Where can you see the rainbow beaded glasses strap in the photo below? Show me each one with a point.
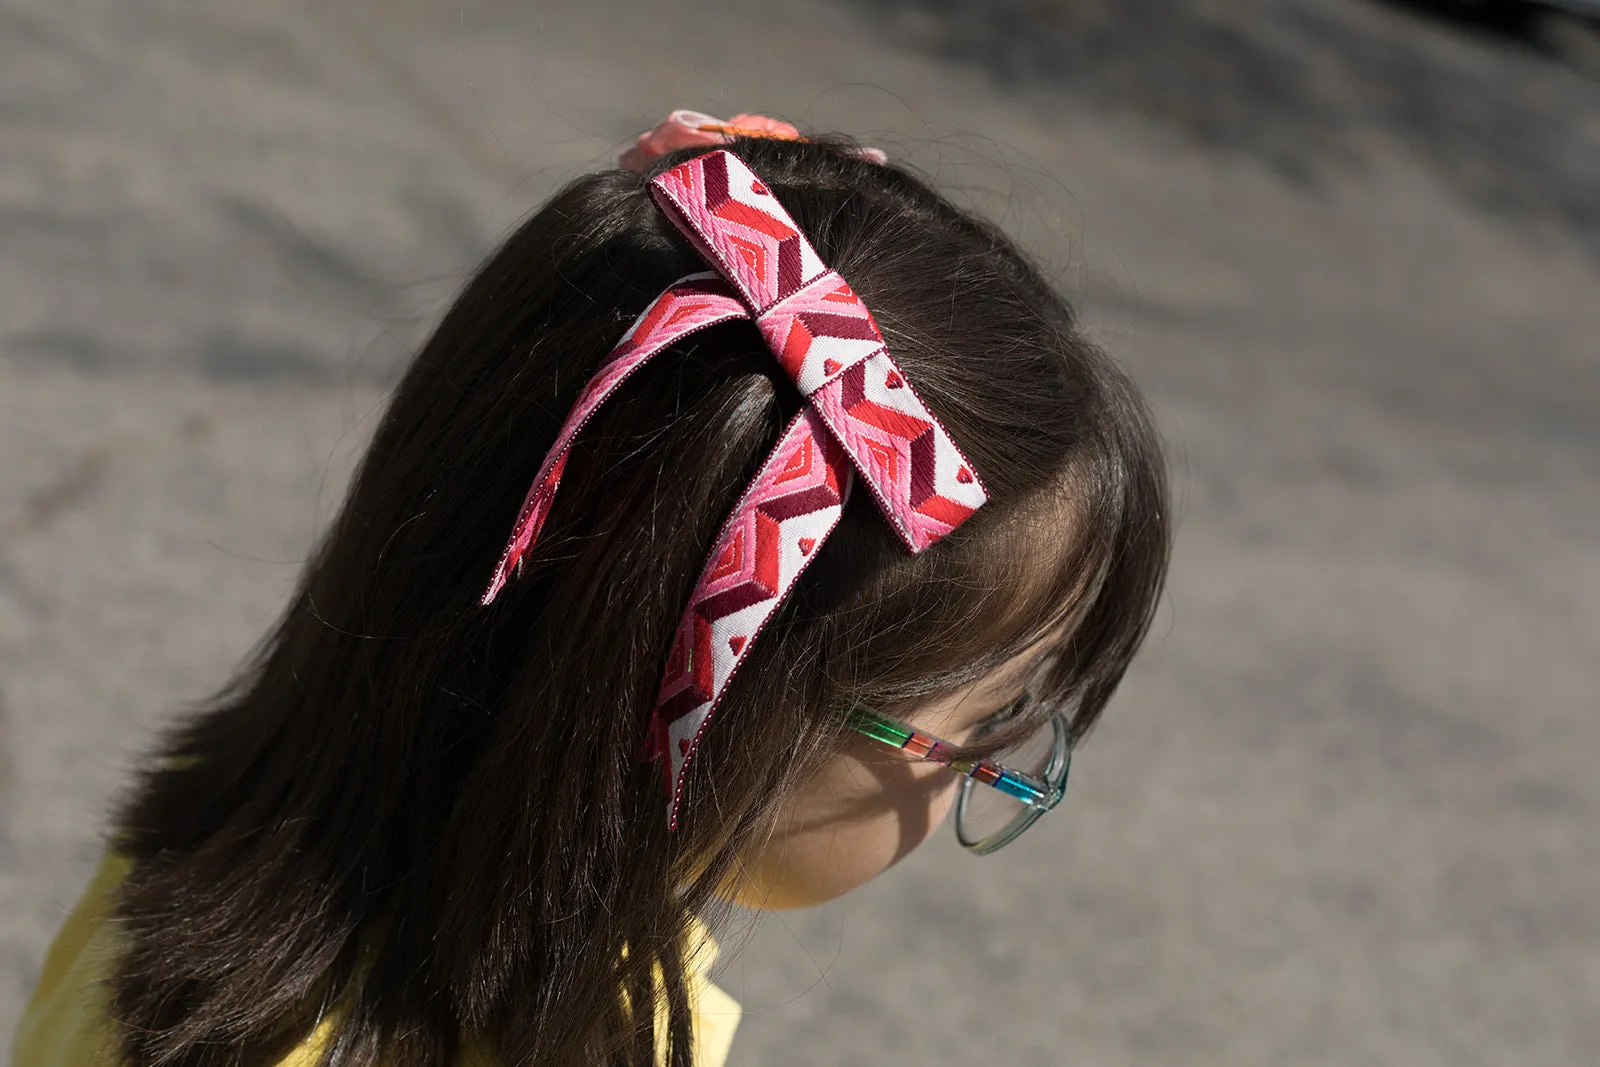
(1031, 790)
(861, 418)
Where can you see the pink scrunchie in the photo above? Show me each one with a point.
(686, 129)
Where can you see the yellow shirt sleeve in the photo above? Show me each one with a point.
(66, 1023)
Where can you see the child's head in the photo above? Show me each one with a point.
(460, 787)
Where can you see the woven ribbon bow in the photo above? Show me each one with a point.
(861, 417)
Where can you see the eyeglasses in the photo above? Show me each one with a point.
(1030, 782)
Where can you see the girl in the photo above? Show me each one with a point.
(850, 483)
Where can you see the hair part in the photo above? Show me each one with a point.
(430, 818)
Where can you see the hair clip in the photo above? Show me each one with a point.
(687, 129)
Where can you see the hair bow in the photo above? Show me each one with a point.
(861, 417)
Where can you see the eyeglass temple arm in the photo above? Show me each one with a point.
(1024, 787)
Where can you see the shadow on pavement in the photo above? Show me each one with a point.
(1303, 86)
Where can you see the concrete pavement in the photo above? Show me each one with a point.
(1344, 811)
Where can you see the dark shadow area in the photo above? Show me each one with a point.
(1302, 85)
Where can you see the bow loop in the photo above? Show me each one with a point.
(738, 225)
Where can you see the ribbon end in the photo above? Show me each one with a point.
(497, 583)
(655, 740)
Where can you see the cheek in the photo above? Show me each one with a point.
(862, 814)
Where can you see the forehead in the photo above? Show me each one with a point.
(1037, 578)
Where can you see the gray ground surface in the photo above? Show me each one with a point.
(1344, 811)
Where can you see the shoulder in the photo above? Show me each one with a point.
(66, 1022)
(716, 1014)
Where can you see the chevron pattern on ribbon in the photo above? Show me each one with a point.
(861, 418)
(738, 225)
(923, 484)
(824, 336)
(790, 507)
(819, 331)
(689, 304)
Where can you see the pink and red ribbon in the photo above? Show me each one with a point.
(862, 418)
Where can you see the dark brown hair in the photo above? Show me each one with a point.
(433, 815)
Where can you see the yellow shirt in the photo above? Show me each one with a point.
(66, 1023)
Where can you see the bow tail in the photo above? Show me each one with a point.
(775, 531)
(689, 304)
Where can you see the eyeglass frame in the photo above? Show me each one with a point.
(1037, 794)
